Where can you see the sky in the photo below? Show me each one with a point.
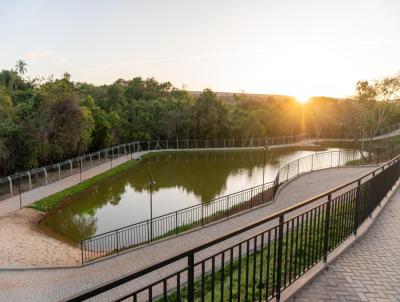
(291, 47)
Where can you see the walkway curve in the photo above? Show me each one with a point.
(369, 270)
(54, 284)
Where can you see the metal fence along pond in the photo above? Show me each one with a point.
(174, 223)
(28, 180)
(259, 266)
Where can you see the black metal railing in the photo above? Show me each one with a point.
(174, 223)
(259, 266)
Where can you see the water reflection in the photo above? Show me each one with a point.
(183, 179)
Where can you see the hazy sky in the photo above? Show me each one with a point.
(293, 47)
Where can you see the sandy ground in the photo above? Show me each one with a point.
(28, 247)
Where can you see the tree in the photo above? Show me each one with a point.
(375, 102)
(20, 67)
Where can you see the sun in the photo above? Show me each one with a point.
(303, 98)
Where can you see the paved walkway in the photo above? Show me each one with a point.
(369, 270)
(54, 284)
(378, 137)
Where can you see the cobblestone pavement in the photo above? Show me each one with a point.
(369, 270)
(54, 284)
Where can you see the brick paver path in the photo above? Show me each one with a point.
(54, 284)
(369, 270)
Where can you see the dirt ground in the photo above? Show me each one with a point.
(24, 246)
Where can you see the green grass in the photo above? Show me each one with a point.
(49, 203)
(298, 252)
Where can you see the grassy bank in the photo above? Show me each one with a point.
(49, 203)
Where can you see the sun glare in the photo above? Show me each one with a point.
(302, 98)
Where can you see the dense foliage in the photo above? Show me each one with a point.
(45, 121)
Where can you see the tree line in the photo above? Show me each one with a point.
(43, 121)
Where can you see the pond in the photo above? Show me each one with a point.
(183, 179)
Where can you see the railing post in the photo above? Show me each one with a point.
(298, 167)
(276, 185)
(312, 162)
(59, 171)
(45, 176)
(11, 186)
(202, 214)
(82, 252)
(327, 224)
(227, 206)
(70, 166)
(148, 232)
(279, 260)
(251, 197)
(176, 222)
(191, 277)
(116, 234)
(357, 207)
(287, 173)
(30, 181)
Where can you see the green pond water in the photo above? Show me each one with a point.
(182, 179)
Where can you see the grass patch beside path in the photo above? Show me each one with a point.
(49, 203)
(254, 275)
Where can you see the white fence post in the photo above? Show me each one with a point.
(59, 171)
(11, 186)
(45, 176)
(30, 180)
(70, 166)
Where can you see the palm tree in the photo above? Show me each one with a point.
(20, 67)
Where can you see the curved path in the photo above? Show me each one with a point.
(369, 270)
(55, 284)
